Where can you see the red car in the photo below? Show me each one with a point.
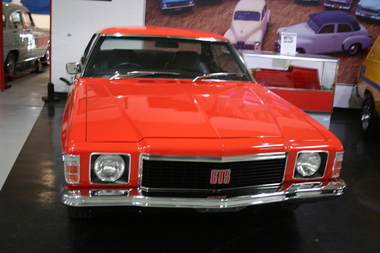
(171, 118)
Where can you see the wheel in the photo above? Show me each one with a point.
(354, 49)
(38, 66)
(369, 116)
(46, 59)
(300, 50)
(80, 212)
(10, 64)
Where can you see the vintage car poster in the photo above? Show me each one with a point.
(218, 17)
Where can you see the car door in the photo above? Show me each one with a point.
(37, 39)
(16, 37)
(325, 39)
(344, 31)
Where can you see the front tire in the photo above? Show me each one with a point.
(354, 49)
(369, 116)
(10, 64)
(46, 59)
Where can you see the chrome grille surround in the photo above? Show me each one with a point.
(170, 173)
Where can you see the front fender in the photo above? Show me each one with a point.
(307, 44)
(362, 40)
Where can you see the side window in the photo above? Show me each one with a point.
(26, 19)
(327, 29)
(4, 22)
(342, 28)
(15, 19)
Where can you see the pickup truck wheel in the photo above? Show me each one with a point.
(369, 116)
(37, 66)
(10, 64)
(80, 213)
(354, 49)
(46, 59)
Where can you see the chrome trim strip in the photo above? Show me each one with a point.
(299, 192)
(214, 159)
(185, 190)
(209, 39)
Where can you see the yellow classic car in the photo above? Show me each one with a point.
(368, 88)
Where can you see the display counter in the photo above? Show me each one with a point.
(307, 81)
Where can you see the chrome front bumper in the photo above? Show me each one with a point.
(299, 192)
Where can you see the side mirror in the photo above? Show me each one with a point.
(73, 68)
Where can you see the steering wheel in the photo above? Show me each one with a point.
(313, 86)
(264, 83)
(128, 63)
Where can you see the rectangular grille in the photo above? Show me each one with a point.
(178, 4)
(372, 11)
(177, 174)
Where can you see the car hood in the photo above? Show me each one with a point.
(302, 30)
(130, 110)
(242, 29)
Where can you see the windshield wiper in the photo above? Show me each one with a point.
(142, 73)
(217, 74)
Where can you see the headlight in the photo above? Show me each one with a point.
(308, 164)
(109, 168)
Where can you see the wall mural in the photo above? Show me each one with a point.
(256, 22)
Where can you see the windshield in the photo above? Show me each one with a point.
(313, 25)
(247, 15)
(163, 58)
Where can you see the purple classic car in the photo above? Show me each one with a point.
(328, 32)
(338, 4)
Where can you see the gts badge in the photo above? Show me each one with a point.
(220, 177)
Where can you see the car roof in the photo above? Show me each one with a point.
(328, 17)
(161, 31)
(9, 7)
(247, 5)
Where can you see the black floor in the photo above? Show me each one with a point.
(32, 219)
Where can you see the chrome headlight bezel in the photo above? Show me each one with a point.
(123, 172)
(310, 164)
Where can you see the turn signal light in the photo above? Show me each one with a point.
(337, 164)
(72, 168)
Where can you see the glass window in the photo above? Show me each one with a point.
(247, 15)
(26, 19)
(15, 19)
(342, 28)
(163, 58)
(4, 22)
(327, 29)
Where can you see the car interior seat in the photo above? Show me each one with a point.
(188, 61)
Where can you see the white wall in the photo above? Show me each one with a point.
(75, 21)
